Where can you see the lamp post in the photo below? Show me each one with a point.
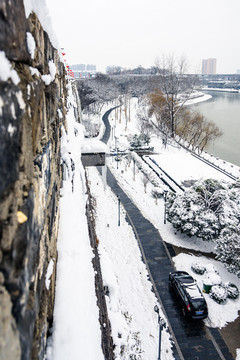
(118, 210)
(134, 169)
(116, 149)
(162, 324)
(165, 199)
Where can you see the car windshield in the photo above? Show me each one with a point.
(185, 279)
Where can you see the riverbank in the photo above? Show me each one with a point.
(197, 97)
(221, 90)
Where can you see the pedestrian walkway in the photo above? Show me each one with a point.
(195, 341)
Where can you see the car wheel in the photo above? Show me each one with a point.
(183, 312)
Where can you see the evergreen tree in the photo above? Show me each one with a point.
(206, 209)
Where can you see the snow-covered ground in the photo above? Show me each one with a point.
(130, 302)
(182, 166)
(76, 329)
(197, 97)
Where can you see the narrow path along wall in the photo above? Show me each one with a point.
(32, 110)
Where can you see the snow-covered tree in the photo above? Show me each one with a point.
(139, 141)
(95, 92)
(195, 129)
(174, 82)
(191, 126)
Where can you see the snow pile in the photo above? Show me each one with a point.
(130, 300)
(11, 129)
(49, 273)
(76, 329)
(34, 71)
(213, 279)
(31, 44)
(6, 70)
(238, 354)
(41, 9)
(47, 79)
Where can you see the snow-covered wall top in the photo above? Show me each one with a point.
(93, 146)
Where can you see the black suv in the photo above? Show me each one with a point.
(189, 295)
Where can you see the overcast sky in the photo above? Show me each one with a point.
(129, 33)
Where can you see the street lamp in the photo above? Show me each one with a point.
(162, 324)
(116, 149)
(134, 169)
(165, 200)
(118, 210)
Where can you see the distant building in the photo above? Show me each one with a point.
(91, 68)
(209, 66)
(79, 67)
(84, 71)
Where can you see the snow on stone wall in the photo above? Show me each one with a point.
(32, 111)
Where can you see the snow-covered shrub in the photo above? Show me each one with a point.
(232, 290)
(139, 141)
(144, 168)
(228, 249)
(198, 268)
(219, 294)
(208, 187)
(205, 209)
(187, 214)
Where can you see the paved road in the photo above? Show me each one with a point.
(107, 132)
(193, 340)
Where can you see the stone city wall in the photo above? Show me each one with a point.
(32, 110)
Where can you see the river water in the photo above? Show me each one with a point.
(224, 110)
